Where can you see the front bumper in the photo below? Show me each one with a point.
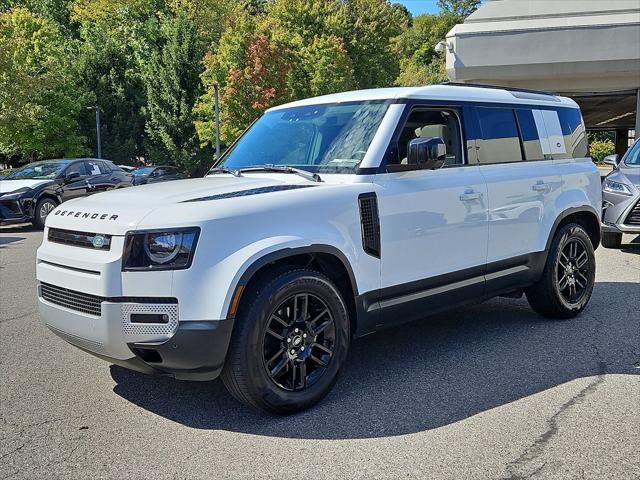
(188, 350)
(14, 211)
(621, 214)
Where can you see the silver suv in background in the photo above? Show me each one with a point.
(621, 197)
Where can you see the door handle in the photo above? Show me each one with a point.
(541, 187)
(469, 196)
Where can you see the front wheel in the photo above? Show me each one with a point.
(43, 209)
(289, 342)
(567, 281)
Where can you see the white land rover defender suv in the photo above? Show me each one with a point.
(329, 219)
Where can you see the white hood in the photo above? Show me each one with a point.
(7, 186)
(117, 211)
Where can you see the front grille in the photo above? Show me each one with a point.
(634, 215)
(78, 301)
(95, 241)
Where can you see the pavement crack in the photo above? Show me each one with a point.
(17, 317)
(536, 449)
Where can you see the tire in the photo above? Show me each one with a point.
(611, 240)
(43, 208)
(264, 368)
(567, 280)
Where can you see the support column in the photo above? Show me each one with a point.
(637, 114)
(622, 140)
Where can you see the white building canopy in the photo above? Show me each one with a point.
(588, 50)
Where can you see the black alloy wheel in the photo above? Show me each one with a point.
(299, 341)
(290, 340)
(572, 270)
(568, 277)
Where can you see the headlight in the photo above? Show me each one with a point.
(14, 195)
(617, 187)
(170, 249)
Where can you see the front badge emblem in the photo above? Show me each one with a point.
(98, 241)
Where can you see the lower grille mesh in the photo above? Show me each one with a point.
(80, 302)
(634, 215)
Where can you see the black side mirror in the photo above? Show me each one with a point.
(612, 160)
(428, 153)
(70, 177)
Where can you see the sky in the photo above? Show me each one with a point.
(418, 7)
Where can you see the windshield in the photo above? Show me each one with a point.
(38, 170)
(143, 171)
(633, 156)
(318, 138)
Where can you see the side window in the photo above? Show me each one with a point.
(425, 123)
(500, 141)
(93, 168)
(530, 135)
(575, 137)
(76, 167)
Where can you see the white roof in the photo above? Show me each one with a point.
(436, 92)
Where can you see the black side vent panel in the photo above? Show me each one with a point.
(370, 222)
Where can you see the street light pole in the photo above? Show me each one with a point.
(98, 142)
(216, 99)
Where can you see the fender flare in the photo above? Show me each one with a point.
(281, 254)
(565, 214)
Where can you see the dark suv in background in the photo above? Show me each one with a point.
(29, 193)
(154, 174)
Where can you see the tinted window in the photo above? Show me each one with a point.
(530, 136)
(76, 167)
(575, 137)
(500, 140)
(425, 123)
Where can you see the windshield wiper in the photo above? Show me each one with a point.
(235, 173)
(314, 177)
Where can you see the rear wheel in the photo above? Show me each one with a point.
(43, 209)
(611, 240)
(289, 342)
(567, 281)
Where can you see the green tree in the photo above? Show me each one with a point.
(39, 97)
(172, 80)
(107, 68)
(458, 8)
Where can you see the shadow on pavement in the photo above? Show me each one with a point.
(18, 228)
(4, 241)
(426, 374)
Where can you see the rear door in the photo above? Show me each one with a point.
(523, 185)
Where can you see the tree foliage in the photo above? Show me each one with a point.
(149, 66)
(39, 97)
(172, 80)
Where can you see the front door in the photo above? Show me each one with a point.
(78, 186)
(433, 224)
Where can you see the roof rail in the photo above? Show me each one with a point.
(498, 87)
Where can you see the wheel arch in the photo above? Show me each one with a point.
(326, 259)
(586, 216)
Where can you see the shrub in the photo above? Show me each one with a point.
(599, 149)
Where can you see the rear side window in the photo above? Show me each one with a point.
(96, 168)
(575, 137)
(500, 141)
(530, 136)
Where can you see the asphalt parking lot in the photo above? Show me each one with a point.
(490, 391)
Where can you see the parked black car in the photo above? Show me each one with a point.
(160, 173)
(29, 193)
